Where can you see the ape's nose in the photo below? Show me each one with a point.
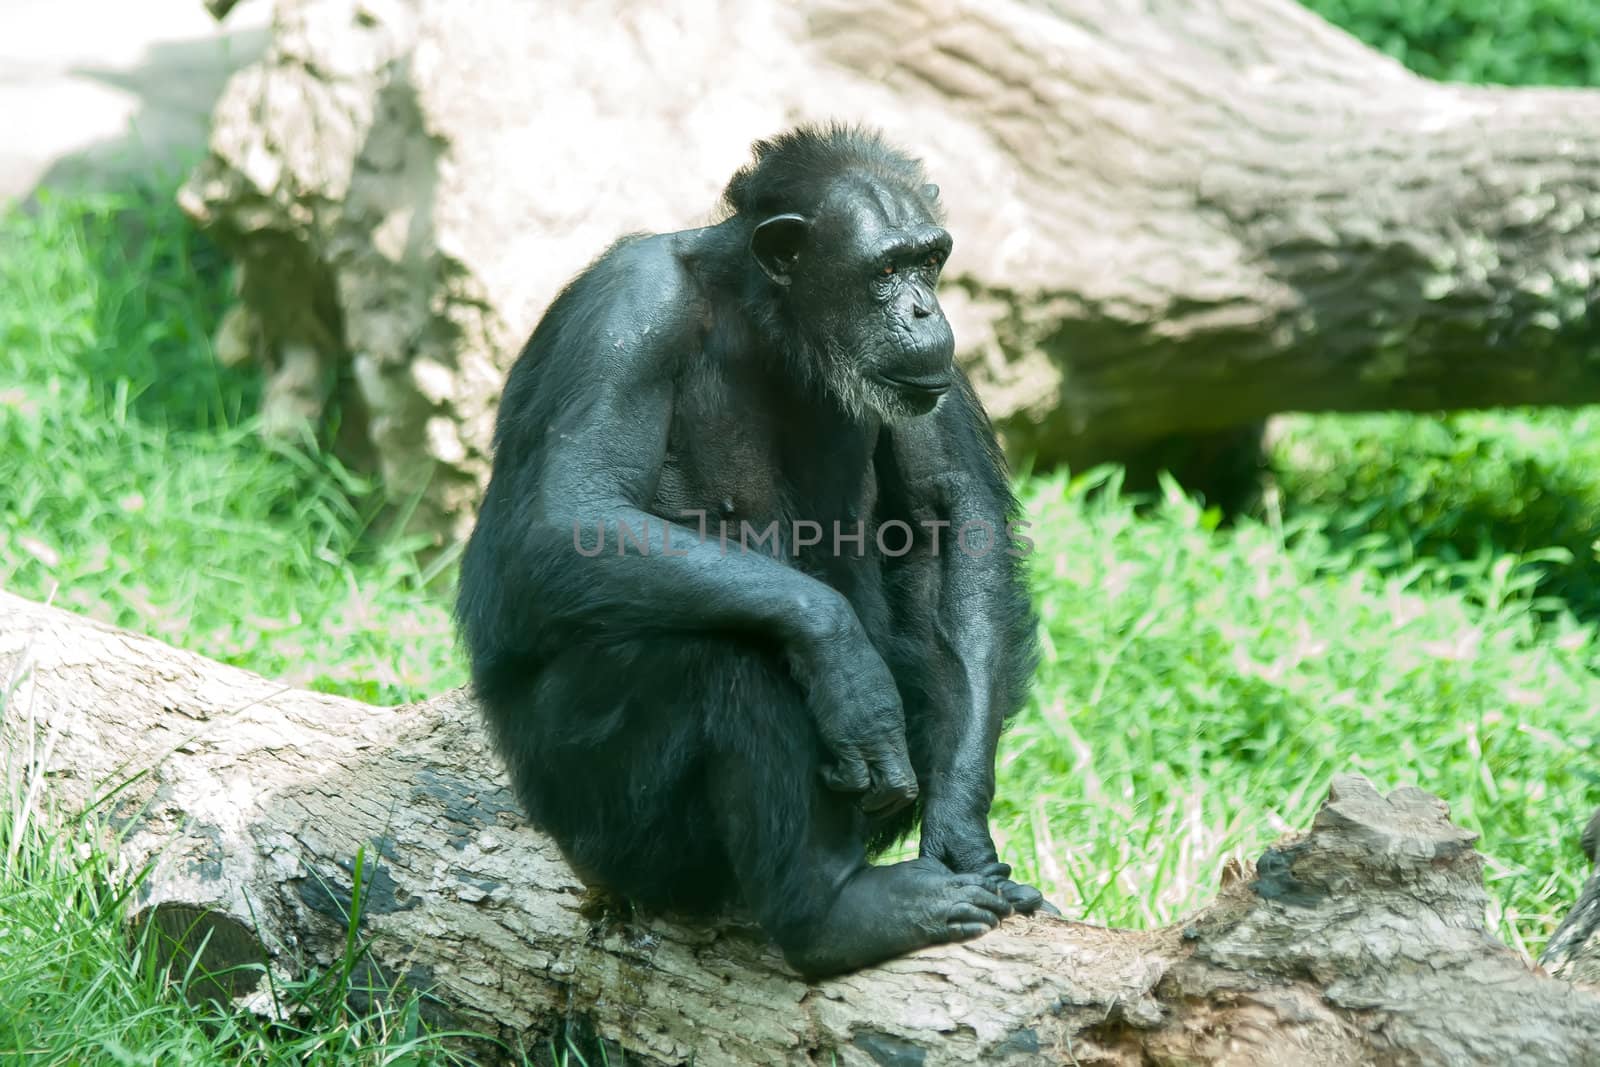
(921, 310)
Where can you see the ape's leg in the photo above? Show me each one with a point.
(684, 774)
(955, 707)
(798, 849)
(953, 751)
(607, 752)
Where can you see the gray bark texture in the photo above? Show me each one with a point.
(1170, 219)
(1360, 941)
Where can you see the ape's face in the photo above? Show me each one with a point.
(859, 281)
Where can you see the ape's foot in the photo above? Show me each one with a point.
(1024, 899)
(882, 912)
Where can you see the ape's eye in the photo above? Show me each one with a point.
(935, 258)
(888, 270)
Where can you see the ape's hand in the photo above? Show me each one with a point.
(860, 719)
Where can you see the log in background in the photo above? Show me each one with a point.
(1171, 220)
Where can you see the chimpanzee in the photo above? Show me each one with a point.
(744, 597)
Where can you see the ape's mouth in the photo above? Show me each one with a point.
(929, 384)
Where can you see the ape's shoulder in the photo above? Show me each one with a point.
(623, 314)
(647, 258)
(639, 294)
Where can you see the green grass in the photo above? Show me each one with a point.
(76, 989)
(1508, 42)
(1417, 603)
(1468, 486)
(138, 490)
(1200, 687)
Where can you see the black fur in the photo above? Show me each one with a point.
(703, 729)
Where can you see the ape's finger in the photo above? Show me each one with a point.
(982, 898)
(891, 766)
(968, 931)
(963, 914)
(892, 779)
(880, 800)
(1024, 898)
(848, 775)
(893, 787)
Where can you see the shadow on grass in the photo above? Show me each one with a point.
(119, 290)
(1459, 490)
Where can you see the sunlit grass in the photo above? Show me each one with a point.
(138, 491)
(1200, 687)
(80, 984)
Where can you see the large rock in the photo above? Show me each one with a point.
(1166, 220)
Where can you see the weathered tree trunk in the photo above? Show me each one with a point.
(1360, 942)
(1170, 219)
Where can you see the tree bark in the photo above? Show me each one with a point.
(1362, 941)
(1244, 211)
(1170, 219)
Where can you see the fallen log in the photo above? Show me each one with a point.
(1361, 941)
(1171, 220)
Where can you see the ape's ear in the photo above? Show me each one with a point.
(930, 192)
(776, 245)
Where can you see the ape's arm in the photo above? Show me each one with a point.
(983, 625)
(580, 446)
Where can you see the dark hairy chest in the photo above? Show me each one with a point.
(764, 466)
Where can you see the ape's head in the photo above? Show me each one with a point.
(847, 232)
